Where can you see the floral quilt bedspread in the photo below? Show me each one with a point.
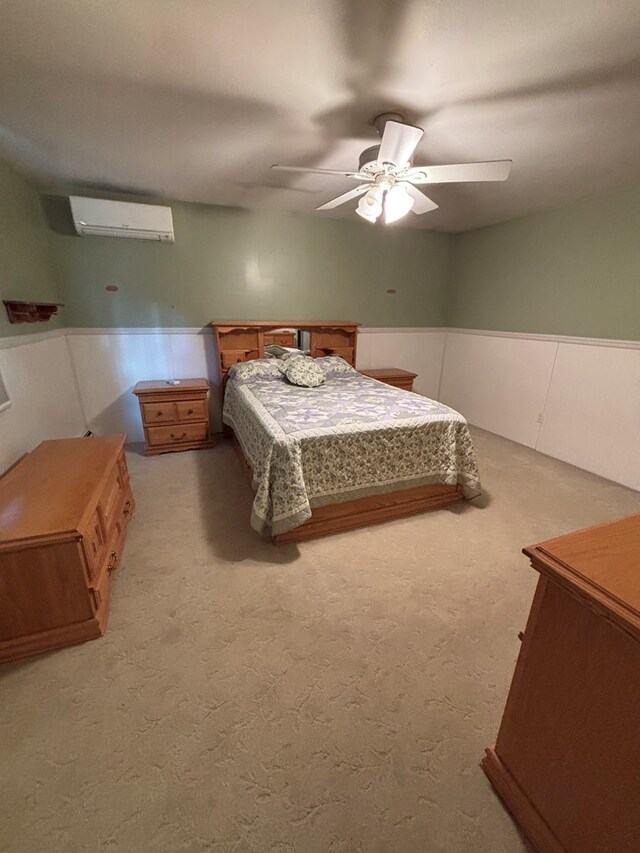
(348, 438)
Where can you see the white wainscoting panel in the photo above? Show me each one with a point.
(363, 353)
(44, 397)
(592, 416)
(419, 350)
(108, 365)
(574, 399)
(498, 383)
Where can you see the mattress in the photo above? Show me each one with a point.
(349, 438)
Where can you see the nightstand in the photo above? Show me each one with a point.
(174, 417)
(392, 376)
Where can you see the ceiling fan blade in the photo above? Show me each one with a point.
(398, 143)
(355, 175)
(493, 170)
(335, 202)
(421, 204)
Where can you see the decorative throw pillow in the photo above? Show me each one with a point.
(304, 371)
(262, 367)
(281, 352)
(334, 364)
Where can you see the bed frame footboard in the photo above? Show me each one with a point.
(335, 518)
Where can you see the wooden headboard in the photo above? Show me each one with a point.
(244, 341)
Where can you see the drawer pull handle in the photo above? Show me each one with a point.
(112, 562)
(189, 411)
(178, 437)
(159, 414)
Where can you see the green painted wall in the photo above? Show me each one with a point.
(229, 263)
(570, 271)
(573, 270)
(25, 264)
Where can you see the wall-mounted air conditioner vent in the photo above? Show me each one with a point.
(99, 217)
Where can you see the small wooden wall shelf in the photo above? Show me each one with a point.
(30, 312)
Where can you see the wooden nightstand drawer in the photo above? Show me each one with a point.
(405, 384)
(392, 376)
(158, 413)
(177, 434)
(175, 414)
(191, 410)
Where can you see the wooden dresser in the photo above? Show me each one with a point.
(567, 758)
(392, 376)
(64, 510)
(174, 417)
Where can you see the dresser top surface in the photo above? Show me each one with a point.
(49, 490)
(605, 558)
(153, 386)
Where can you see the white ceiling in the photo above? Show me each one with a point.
(195, 99)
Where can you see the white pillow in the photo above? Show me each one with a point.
(281, 352)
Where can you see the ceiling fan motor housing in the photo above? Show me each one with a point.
(368, 163)
(368, 157)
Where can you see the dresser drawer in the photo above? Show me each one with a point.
(158, 413)
(191, 410)
(124, 471)
(95, 542)
(101, 594)
(184, 433)
(111, 499)
(127, 510)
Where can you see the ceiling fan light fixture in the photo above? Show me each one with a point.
(370, 205)
(397, 204)
(364, 213)
(389, 180)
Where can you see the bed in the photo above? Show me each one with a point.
(348, 453)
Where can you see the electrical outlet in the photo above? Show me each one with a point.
(540, 418)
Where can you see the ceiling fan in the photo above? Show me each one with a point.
(390, 180)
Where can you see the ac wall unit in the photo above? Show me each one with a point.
(102, 218)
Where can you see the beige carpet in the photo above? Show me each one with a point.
(332, 696)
